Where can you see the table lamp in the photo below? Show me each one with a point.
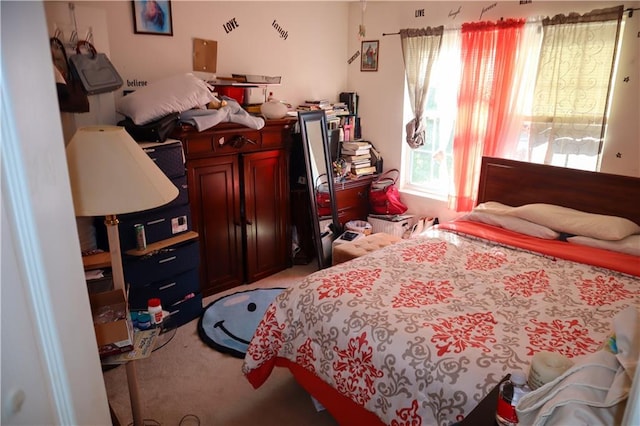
(110, 174)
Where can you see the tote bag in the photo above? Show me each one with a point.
(95, 70)
(384, 197)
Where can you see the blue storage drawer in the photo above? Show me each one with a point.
(183, 192)
(186, 310)
(159, 224)
(168, 157)
(170, 290)
(140, 271)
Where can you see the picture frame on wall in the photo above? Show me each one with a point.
(152, 17)
(369, 54)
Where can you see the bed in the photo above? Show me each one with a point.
(420, 331)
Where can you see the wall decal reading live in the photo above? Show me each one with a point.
(230, 25)
(419, 13)
(525, 1)
(136, 83)
(283, 34)
(353, 58)
(453, 14)
(486, 9)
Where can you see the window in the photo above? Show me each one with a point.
(562, 111)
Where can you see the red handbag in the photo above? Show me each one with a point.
(384, 197)
(323, 198)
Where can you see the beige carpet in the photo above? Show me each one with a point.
(187, 377)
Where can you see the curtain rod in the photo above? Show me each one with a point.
(627, 10)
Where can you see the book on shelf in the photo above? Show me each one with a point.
(355, 152)
(356, 158)
(363, 170)
(361, 164)
(355, 145)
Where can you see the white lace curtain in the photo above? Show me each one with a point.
(573, 83)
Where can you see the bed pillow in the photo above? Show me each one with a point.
(628, 245)
(512, 223)
(493, 207)
(575, 222)
(162, 97)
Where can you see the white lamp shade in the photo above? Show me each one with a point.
(111, 174)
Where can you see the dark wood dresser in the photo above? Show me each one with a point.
(352, 197)
(239, 193)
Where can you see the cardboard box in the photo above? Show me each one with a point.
(111, 322)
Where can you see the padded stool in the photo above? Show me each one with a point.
(362, 246)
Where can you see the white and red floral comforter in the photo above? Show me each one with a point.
(420, 331)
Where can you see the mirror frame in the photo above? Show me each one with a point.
(304, 118)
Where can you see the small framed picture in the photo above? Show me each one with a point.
(152, 17)
(369, 54)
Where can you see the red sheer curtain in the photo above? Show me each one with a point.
(489, 52)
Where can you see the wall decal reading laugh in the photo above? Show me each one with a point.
(453, 14)
(283, 34)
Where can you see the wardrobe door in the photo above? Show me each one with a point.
(214, 191)
(266, 212)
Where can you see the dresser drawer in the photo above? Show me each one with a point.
(352, 202)
(159, 224)
(185, 310)
(170, 290)
(140, 271)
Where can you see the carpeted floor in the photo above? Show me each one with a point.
(188, 378)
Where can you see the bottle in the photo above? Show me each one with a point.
(510, 392)
(155, 311)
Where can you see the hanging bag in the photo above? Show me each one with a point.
(71, 95)
(95, 70)
(323, 198)
(384, 197)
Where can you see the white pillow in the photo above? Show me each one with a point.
(173, 94)
(628, 245)
(512, 223)
(575, 222)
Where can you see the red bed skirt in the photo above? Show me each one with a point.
(342, 409)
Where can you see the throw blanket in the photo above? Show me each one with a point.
(595, 390)
(203, 119)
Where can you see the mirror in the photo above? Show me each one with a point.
(317, 155)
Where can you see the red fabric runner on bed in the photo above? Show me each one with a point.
(620, 262)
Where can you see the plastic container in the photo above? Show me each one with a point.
(154, 307)
(510, 393)
(144, 321)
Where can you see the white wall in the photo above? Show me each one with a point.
(311, 60)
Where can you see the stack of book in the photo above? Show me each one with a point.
(358, 155)
(313, 105)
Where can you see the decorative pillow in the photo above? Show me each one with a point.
(576, 222)
(628, 245)
(174, 94)
(512, 223)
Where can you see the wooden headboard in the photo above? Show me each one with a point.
(516, 183)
